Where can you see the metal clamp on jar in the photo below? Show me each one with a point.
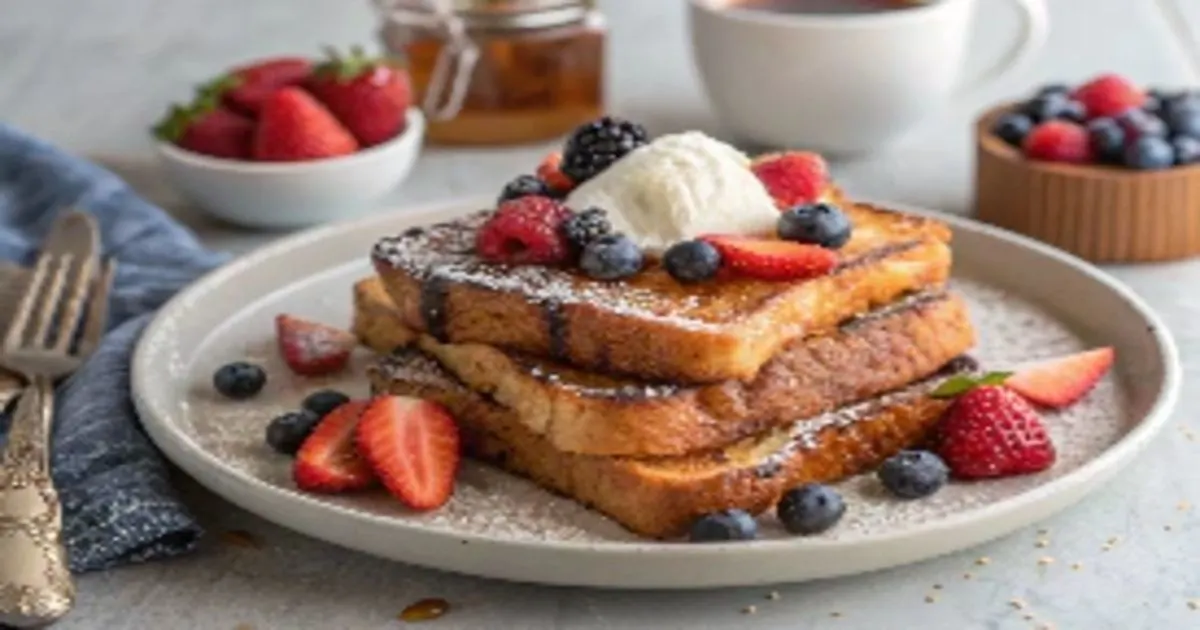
(500, 71)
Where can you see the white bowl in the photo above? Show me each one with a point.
(282, 195)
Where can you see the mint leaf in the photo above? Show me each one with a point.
(953, 386)
(994, 378)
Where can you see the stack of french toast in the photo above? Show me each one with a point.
(654, 401)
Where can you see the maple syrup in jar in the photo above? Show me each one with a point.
(490, 72)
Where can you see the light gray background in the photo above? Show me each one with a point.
(92, 75)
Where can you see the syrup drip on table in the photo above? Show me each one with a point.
(425, 610)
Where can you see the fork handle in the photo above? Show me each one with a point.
(35, 581)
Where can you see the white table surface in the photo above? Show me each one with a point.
(91, 75)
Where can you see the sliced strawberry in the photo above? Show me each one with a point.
(1060, 382)
(792, 178)
(991, 431)
(768, 259)
(312, 348)
(549, 171)
(413, 447)
(327, 461)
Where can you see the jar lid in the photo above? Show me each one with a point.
(503, 14)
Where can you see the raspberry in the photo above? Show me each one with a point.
(1058, 141)
(1109, 95)
(525, 231)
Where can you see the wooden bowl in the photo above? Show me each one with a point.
(1103, 214)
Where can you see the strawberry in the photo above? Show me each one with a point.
(369, 96)
(327, 461)
(311, 348)
(792, 178)
(203, 127)
(990, 431)
(293, 126)
(413, 447)
(1060, 382)
(767, 259)
(549, 172)
(1109, 95)
(247, 88)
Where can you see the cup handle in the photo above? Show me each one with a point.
(1035, 28)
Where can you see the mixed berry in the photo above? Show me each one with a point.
(532, 226)
(991, 428)
(1108, 120)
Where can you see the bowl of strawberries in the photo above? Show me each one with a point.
(291, 142)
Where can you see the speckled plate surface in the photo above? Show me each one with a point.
(1026, 300)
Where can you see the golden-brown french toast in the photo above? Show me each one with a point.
(661, 496)
(582, 412)
(651, 326)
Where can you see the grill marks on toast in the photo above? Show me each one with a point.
(661, 496)
(649, 326)
(589, 412)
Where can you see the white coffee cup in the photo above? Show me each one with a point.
(844, 84)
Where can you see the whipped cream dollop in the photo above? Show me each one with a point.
(678, 187)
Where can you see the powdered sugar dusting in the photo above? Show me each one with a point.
(490, 503)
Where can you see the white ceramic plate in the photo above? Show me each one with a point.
(1027, 301)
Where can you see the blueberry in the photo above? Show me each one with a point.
(323, 401)
(1051, 107)
(1184, 121)
(1141, 124)
(523, 186)
(1107, 139)
(692, 261)
(239, 380)
(1149, 153)
(913, 474)
(723, 526)
(810, 509)
(1012, 128)
(1187, 150)
(286, 433)
(611, 257)
(1054, 89)
(819, 224)
(1172, 103)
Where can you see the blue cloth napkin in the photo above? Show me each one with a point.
(118, 505)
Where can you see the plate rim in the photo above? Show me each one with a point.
(1116, 455)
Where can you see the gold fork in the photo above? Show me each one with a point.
(58, 322)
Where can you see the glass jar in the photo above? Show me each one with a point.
(500, 71)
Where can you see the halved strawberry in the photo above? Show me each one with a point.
(327, 461)
(792, 178)
(413, 447)
(1062, 381)
(770, 259)
(549, 172)
(312, 348)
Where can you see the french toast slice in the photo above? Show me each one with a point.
(650, 326)
(660, 497)
(581, 412)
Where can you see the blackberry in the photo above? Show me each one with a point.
(523, 186)
(584, 227)
(596, 145)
